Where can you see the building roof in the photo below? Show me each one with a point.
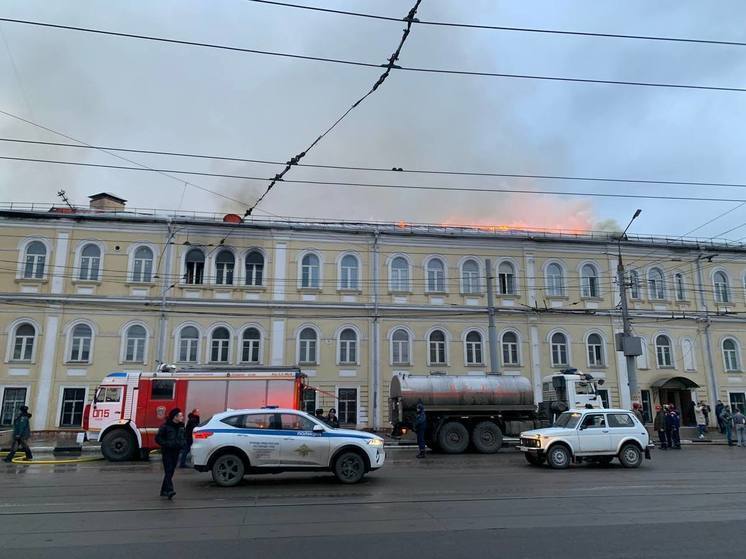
(107, 195)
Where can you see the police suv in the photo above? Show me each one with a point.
(270, 440)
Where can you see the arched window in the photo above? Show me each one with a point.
(663, 351)
(656, 284)
(142, 267)
(470, 277)
(474, 348)
(722, 290)
(595, 347)
(348, 346)
(399, 274)
(437, 342)
(195, 267)
(250, 345)
(308, 346)
(510, 348)
(730, 355)
(90, 262)
(34, 260)
(80, 348)
(310, 270)
(225, 263)
(349, 272)
(255, 268)
(555, 280)
(134, 340)
(436, 275)
(400, 347)
(220, 345)
(188, 344)
(678, 280)
(634, 284)
(23, 342)
(506, 278)
(559, 350)
(589, 281)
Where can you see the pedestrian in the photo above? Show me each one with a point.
(170, 437)
(727, 418)
(320, 414)
(739, 422)
(420, 425)
(706, 410)
(699, 416)
(659, 424)
(673, 423)
(192, 422)
(332, 418)
(638, 413)
(718, 410)
(21, 434)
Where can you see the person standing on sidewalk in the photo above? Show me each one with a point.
(659, 424)
(706, 410)
(718, 410)
(21, 435)
(171, 439)
(638, 412)
(739, 422)
(699, 416)
(727, 418)
(420, 425)
(192, 422)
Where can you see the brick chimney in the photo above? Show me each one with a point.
(103, 201)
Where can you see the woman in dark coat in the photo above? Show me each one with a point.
(192, 422)
(171, 439)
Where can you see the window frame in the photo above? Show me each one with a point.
(590, 285)
(36, 261)
(61, 406)
(225, 270)
(660, 353)
(400, 343)
(224, 346)
(513, 347)
(721, 290)
(596, 352)
(344, 346)
(138, 276)
(399, 286)
(89, 260)
(473, 350)
(736, 355)
(507, 282)
(17, 403)
(345, 283)
(259, 343)
(475, 282)
(438, 282)
(70, 342)
(319, 266)
(196, 343)
(341, 409)
(196, 276)
(262, 268)
(656, 291)
(125, 343)
(13, 338)
(301, 352)
(441, 350)
(550, 284)
(566, 345)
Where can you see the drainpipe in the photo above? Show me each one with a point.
(376, 376)
(165, 287)
(714, 390)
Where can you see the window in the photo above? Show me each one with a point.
(679, 284)
(308, 346)
(634, 284)
(593, 421)
(510, 348)
(250, 343)
(90, 262)
(559, 350)
(162, 389)
(35, 258)
(663, 351)
(349, 272)
(310, 271)
(436, 275)
(142, 268)
(656, 284)
(589, 281)
(737, 401)
(308, 401)
(260, 421)
(620, 421)
(347, 406)
(195, 267)
(437, 342)
(555, 280)
(80, 349)
(506, 279)
(595, 351)
(73, 401)
(225, 263)
(474, 348)
(108, 394)
(399, 274)
(722, 292)
(470, 277)
(400, 347)
(188, 344)
(348, 346)
(255, 268)
(23, 342)
(730, 355)
(134, 340)
(13, 399)
(219, 345)
(604, 397)
(295, 422)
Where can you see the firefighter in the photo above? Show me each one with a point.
(21, 435)
(171, 439)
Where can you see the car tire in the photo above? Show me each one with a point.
(453, 438)
(630, 456)
(487, 437)
(559, 457)
(534, 459)
(118, 445)
(228, 470)
(349, 467)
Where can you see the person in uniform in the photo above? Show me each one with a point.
(171, 439)
(21, 434)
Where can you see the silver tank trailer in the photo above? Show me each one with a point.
(440, 391)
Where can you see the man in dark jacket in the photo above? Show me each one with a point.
(192, 422)
(420, 424)
(673, 423)
(718, 410)
(331, 419)
(171, 439)
(21, 435)
(659, 424)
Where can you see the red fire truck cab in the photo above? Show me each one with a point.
(129, 407)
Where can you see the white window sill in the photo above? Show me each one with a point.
(32, 281)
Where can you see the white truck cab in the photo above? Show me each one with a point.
(569, 389)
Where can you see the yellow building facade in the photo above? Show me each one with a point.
(89, 291)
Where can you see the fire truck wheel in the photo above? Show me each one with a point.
(228, 470)
(487, 437)
(349, 467)
(118, 445)
(453, 437)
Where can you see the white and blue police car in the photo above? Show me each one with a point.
(273, 440)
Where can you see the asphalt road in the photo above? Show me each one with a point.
(688, 503)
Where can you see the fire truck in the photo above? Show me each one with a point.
(129, 407)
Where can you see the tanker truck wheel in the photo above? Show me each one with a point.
(487, 437)
(453, 438)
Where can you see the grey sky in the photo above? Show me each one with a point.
(136, 94)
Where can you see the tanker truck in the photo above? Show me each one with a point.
(466, 411)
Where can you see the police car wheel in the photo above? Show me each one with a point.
(228, 470)
(349, 467)
(630, 456)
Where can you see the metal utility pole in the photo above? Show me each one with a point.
(492, 330)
